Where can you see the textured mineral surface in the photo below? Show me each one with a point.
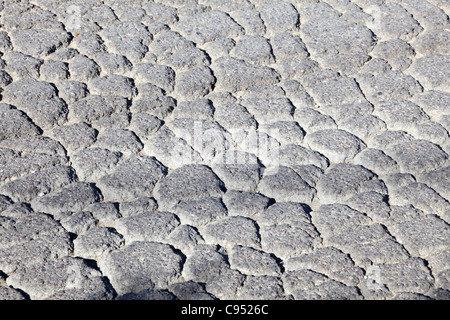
(238, 149)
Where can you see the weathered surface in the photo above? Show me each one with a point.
(224, 149)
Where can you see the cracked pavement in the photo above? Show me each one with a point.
(224, 149)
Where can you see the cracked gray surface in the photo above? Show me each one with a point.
(239, 149)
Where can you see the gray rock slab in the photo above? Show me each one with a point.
(9, 293)
(32, 239)
(201, 212)
(431, 71)
(279, 17)
(113, 85)
(208, 26)
(286, 132)
(71, 91)
(19, 124)
(234, 116)
(190, 182)
(5, 202)
(230, 231)
(21, 66)
(52, 70)
(205, 263)
(376, 161)
(334, 218)
(75, 136)
(194, 83)
(119, 140)
(417, 156)
(346, 63)
(38, 42)
(262, 288)
(29, 144)
(19, 166)
(89, 43)
(284, 212)
(93, 163)
(331, 35)
(226, 285)
(337, 145)
(239, 170)
(185, 238)
(433, 102)
(432, 42)
(158, 75)
(400, 114)
(246, 204)
(243, 75)
(250, 19)
(422, 197)
(173, 151)
(313, 120)
(286, 185)
(66, 274)
(187, 58)
(339, 90)
(253, 262)
(431, 15)
(37, 184)
(408, 275)
(187, 290)
(430, 240)
(286, 45)
(389, 85)
(128, 38)
(253, 49)
(95, 107)
(386, 22)
(268, 110)
(168, 42)
(136, 206)
(296, 68)
(134, 177)
(113, 63)
(83, 69)
(285, 240)
(141, 265)
(148, 294)
(328, 261)
(148, 226)
(158, 106)
(74, 197)
(26, 90)
(300, 280)
(219, 48)
(199, 109)
(329, 290)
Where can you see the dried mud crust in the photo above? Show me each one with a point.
(238, 149)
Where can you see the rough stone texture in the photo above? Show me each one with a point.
(244, 75)
(284, 184)
(224, 149)
(74, 197)
(337, 145)
(147, 226)
(138, 265)
(135, 177)
(342, 181)
(208, 26)
(229, 231)
(190, 182)
(205, 263)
